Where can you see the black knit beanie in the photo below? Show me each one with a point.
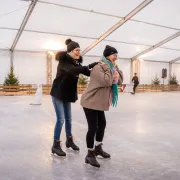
(109, 51)
(71, 45)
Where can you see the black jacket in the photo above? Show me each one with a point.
(65, 84)
(135, 79)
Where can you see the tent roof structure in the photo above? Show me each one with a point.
(146, 29)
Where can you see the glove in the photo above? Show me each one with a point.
(90, 66)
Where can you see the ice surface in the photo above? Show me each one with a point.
(142, 136)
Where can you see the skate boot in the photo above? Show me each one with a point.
(70, 143)
(91, 159)
(99, 151)
(56, 149)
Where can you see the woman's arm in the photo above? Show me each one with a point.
(87, 73)
(76, 70)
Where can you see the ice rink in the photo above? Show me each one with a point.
(142, 135)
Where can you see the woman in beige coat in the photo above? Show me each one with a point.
(101, 92)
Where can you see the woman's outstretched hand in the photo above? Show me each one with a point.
(92, 65)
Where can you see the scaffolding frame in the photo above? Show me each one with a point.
(116, 26)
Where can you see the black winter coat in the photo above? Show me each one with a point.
(135, 79)
(65, 84)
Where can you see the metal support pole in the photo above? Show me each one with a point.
(135, 68)
(86, 37)
(175, 60)
(139, 70)
(157, 45)
(49, 69)
(131, 72)
(4, 49)
(11, 59)
(117, 25)
(104, 14)
(25, 20)
(170, 70)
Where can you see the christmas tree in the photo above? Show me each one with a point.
(156, 80)
(11, 79)
(173, 80)
(83, 80)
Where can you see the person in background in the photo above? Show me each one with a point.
(102, 91)
(135, 80)
(64, 92)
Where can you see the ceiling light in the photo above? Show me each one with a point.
(51, 45)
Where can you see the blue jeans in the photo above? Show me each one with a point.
(63, 112)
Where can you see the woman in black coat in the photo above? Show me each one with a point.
(64, 91)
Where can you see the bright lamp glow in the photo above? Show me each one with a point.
(141, 59)
(51, 45)
(51, 53)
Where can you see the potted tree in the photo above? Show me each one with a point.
(156, 82)
(11, 80)
(173, 82)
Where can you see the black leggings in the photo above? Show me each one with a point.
(96, 125)
(134, 88)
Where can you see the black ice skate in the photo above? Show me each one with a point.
(56, 149)
(91, 159)
(70, 143)
(99, 151)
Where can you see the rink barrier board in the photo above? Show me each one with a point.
(30, 89)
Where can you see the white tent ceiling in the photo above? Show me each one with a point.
(53, 21)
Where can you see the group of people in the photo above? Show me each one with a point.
(101, 93)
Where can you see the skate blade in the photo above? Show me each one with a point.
(89, 165)
(70, 149)
(55, 155)
(100, 157)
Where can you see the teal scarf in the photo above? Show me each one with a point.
(114, 87)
